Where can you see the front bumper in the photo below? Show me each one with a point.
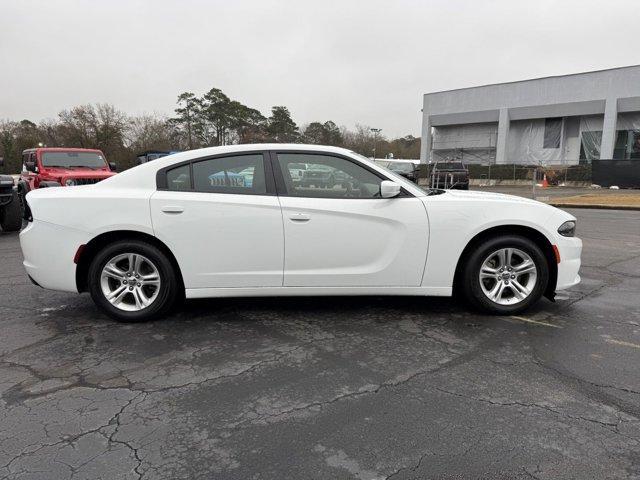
(48, 252)
(570, 249)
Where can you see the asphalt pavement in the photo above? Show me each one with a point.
(329, 388)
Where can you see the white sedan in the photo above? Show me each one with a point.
(140, 240)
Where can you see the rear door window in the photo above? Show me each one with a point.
(179, 178)
(239, 174)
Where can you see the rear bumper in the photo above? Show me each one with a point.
(48, 252)
(568, 269)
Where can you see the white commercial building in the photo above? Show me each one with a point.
(562, 120)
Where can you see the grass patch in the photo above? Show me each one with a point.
(613, 199)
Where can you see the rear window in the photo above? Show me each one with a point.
(451, 166)
(73, 159)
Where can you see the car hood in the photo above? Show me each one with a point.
(78, 173)
(476, 195)
(492, 197)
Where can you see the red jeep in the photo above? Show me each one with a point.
(55, 167)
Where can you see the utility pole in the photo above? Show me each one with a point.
(375, 131)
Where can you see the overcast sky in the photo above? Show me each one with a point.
(349, 61)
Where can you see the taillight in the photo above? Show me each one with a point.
(26, 210)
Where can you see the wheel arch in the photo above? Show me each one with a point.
(97, 243)
(539, 238)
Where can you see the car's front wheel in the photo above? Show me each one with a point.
(505, 275)
(132, 281)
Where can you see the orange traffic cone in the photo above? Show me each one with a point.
(545, 184)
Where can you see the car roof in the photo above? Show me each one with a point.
(61, 149)
(246, 147)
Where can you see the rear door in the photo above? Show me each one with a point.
(339, 232)
(221, 218)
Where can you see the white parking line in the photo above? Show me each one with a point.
(528, 320)
(622, 343)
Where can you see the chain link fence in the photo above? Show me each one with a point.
(604, 173)
(575, 175)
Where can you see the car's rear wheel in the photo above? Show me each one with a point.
(505, 275)
(132, 281)
(11, 215)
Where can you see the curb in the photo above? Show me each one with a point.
(595, 206)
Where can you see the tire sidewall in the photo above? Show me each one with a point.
(473, 289)
(11, 214)
(168, 282)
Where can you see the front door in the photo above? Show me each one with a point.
(221, 219)
(339, 232)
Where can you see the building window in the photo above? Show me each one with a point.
(552, 132)
(590, 146)
(627, 145)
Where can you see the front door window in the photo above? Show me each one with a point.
(324, 176)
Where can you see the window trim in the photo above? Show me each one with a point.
(281, 186)
(161, 174)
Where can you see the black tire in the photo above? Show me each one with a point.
(11, 215)
(470, 280)
(169, 284)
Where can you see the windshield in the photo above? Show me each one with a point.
(73, 159)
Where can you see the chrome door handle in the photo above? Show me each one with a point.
(172, 209)
(299, 217)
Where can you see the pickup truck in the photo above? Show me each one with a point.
(453, 175)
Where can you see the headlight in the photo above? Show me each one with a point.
(567, 229)
(69, 182)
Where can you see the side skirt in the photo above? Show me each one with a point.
(316, 291)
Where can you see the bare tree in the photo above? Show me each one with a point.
(151, 132)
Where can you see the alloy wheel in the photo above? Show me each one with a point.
(130, 282)
(508, 276)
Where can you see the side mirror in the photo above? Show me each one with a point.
(389, 189)
(30, 166)
(113, 167)
(1, 161)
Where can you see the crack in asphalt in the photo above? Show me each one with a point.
(539, 406)
(371, 389)
(73, 439)
(79, 379)
(111, 438)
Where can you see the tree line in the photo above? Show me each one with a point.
(200, 121)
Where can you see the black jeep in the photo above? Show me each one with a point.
(10, 211)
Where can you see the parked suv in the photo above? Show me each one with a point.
(66, 167)
(449, 175)
(10, 211)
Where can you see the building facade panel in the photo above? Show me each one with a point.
(557, 120)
